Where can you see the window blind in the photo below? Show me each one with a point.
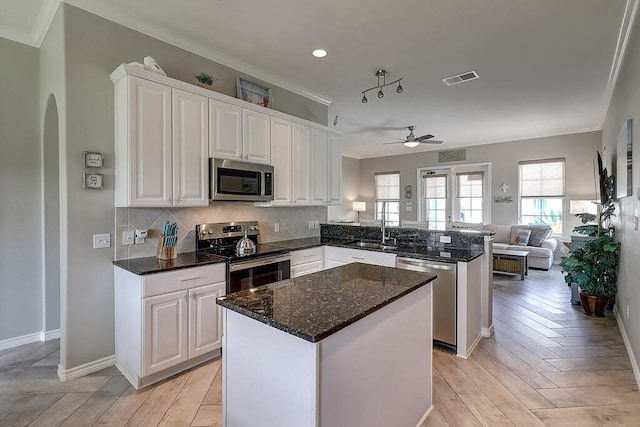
(387, 185)
(434, 186)
(542, 178)
(469, 184)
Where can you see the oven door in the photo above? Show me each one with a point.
(257, 272)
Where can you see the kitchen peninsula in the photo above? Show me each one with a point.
(351, 345)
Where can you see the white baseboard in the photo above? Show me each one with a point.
(426, 414)
(627, 345)
(471, 348)
(18, 341)
(49, 335)
(88, 368)
(487, 332)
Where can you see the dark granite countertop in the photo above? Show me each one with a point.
(150, 265)
(413, 251)
(317, 305)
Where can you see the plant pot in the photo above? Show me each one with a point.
(204, 85)
(594, 305)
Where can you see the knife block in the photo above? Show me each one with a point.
(166, 252)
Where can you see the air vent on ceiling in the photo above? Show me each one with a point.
(459, 78)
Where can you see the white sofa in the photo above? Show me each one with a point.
(540, 257)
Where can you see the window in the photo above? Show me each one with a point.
(470, 192)
(542, 192)
(388, 193)
(434, 190)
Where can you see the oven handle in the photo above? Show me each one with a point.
(244, 265)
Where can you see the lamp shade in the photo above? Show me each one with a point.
(359, 206)
(583, 206)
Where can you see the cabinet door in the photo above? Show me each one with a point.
(164, 328)
(190, 149)
(205, 319)
(339, 256)
(281, 160)
(149, 148)
(256, 137)
(301, 164)
(334, 189)
(225, 131)
(318, 167)
(308, 268)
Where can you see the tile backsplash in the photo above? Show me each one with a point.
(294, 223)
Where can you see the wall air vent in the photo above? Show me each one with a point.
(459, 78)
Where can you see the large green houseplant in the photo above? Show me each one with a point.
(593, 265)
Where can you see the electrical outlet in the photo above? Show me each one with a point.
(127, 238)
(101, 240)
(140, 236)
(627, 312)
(635, 223)
(310, 225)
(316, 224)
(276, 227)
(445, 239)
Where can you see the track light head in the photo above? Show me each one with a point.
(399, 89)
(380, 94)
(364, 99)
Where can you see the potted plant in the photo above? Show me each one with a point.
(593, 265)
(205, 80)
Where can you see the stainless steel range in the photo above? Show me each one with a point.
(248, 265)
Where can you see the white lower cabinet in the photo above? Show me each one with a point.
(334, 257)
(167, 322)
(306, 261)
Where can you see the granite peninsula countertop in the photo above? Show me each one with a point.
(150, 265)
(409, 251)
(317, 305)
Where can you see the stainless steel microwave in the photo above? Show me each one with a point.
(240, 181)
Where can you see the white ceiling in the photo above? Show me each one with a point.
(546, 66)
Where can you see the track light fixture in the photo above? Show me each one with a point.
(382, 82)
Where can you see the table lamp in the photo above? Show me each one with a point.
(359, 207)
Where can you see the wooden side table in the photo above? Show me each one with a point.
(513, 262)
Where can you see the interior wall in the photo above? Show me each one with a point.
(350, 191)
(625, 104)
(94, 48)
(20, 189)
(578, 149)
(51, 215)
(52, 119)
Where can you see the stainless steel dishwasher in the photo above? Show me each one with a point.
(444, 297)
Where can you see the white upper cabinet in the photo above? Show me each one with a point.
(319, 170)
(256, 137)
(225, 130)
(334, 189)
(301, 164)
(161, 145)
(281, 160)
(190, 149)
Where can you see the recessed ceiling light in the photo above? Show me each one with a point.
(319, 53)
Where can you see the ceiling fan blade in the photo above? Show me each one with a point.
(394, 142)
(431, 141)
(423, 137)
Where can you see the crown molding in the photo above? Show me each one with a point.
(628, 19)
(45, 18)
(189, 45)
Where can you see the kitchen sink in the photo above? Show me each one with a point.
(370, 245)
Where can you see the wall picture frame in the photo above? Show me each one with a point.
(253, 92)
(624, 160)
(92, 159)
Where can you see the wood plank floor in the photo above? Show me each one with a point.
(548, 364)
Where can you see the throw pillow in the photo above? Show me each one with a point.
(522, 237)
(539, 233)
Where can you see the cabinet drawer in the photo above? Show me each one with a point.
(305, 256)
(308, 268)
(178, 280)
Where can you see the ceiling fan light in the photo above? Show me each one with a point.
(380, 94)
(411, 144)
(364, 99)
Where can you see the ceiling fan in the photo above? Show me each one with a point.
(412, 141)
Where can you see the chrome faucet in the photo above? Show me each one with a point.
(383, 227)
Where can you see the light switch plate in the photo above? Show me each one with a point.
(101, 241)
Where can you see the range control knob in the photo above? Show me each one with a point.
(203, 231)
(210, 231)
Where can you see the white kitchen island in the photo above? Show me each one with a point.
(348, 346)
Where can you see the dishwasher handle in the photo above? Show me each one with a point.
(422, 264)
